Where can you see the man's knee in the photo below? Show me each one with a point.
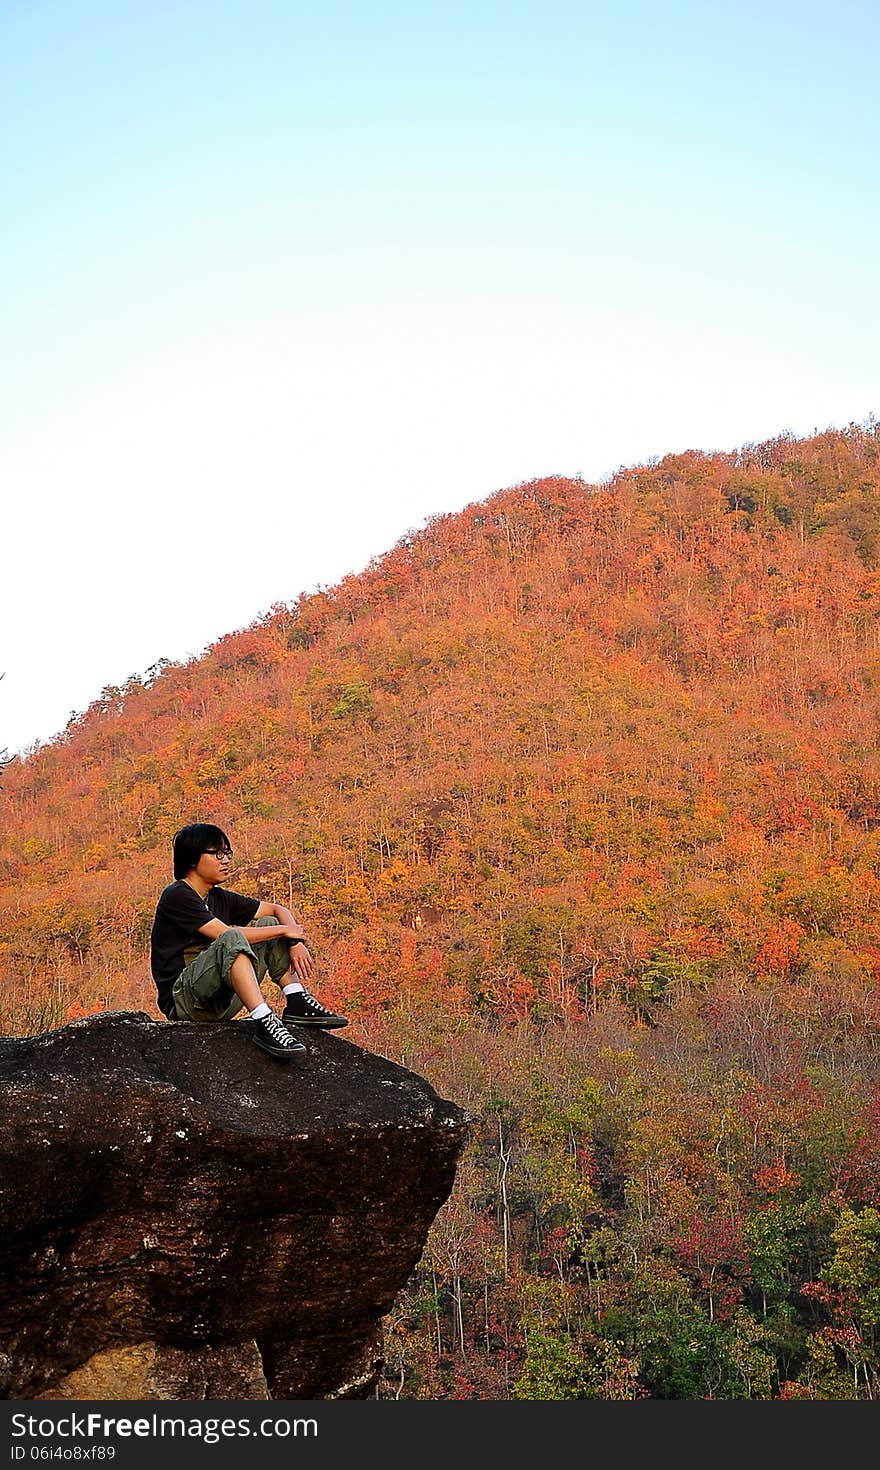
(233, 942)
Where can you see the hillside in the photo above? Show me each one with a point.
(572, 741)
(577, 794)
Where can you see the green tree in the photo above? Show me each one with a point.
(554, 1367)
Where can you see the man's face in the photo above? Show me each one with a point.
(213, 865)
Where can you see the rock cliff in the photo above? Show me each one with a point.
(182, 1216)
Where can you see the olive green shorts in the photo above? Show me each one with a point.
(204, 992)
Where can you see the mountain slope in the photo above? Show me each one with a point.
(570, 742)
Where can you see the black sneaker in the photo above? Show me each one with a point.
(303, 1010)
(269, 1034)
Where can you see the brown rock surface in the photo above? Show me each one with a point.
(146, 1371)
(173, 1194)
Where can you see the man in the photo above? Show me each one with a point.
(210, 948)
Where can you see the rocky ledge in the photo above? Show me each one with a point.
(183, 1216)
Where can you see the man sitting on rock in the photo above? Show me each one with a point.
(210, 948)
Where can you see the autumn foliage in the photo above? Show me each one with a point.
(577, 793)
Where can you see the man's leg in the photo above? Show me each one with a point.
(273, 957)
(300, 1006)
(244, 982)
(220, 982)
(205, 991)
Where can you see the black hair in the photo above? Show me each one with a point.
(190, 842)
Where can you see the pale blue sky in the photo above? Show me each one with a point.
(281, 280)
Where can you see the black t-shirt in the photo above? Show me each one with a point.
(175, 939)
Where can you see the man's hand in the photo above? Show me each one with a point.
(294, 932)
(301, 961)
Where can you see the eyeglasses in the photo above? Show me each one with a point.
(222, 856)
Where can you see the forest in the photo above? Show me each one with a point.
(577, 794)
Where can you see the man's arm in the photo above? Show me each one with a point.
(279, 912)
(256, 935)
(301, 961)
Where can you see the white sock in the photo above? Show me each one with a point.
(293, 988)
(260, 1011)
